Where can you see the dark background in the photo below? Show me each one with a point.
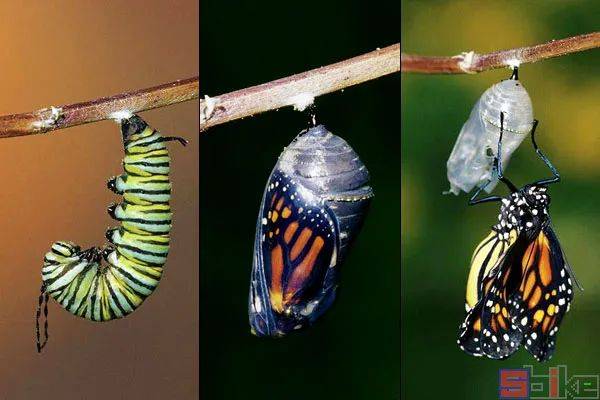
(353, 352)
(54, 188)
(439, 233)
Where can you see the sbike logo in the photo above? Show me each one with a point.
(553, 384)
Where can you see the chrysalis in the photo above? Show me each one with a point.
(470, 163)
(312, 207)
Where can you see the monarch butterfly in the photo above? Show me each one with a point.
(138, 249)
(470, 163)
(313, 206)
(519, 286)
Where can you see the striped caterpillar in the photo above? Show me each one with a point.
(77, 279)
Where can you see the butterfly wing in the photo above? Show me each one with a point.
(499, 336)
(523, 300)
(486, 256)
(544, 295)
(487, 329)
(294, 275)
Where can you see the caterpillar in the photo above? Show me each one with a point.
(312, 208)
(110, 282)
(470, 163)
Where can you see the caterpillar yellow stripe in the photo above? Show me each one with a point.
(101, 284)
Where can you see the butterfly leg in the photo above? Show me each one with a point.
(498, 159)
(556, 177)
(498, 169)
(473, 200)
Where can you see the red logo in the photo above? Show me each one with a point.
(555, 383)
(514, 384)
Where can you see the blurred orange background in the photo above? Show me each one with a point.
(63, 52)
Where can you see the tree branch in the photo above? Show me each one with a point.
(298, 89)
(53, 118)
(471, 63)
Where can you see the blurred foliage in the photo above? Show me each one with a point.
(439, 232)
(353, 352)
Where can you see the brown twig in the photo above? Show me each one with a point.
(293, 89)
(471, 63)
(53, 118)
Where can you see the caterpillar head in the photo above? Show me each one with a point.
(132, 126)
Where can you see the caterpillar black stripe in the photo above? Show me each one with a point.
(78, 279)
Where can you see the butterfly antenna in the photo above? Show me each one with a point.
(498, 159)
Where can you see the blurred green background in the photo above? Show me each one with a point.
(353, 352)
(439, 233)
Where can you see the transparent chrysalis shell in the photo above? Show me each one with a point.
(471, 161)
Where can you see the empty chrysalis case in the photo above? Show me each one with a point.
(471, 161)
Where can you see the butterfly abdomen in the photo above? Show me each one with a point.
(312, 208)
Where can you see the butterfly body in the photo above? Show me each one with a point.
(312, 207)
(519, 285)
(525, 211)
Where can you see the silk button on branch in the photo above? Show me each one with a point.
(298, 90)
(472, 63)
(53, 118)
